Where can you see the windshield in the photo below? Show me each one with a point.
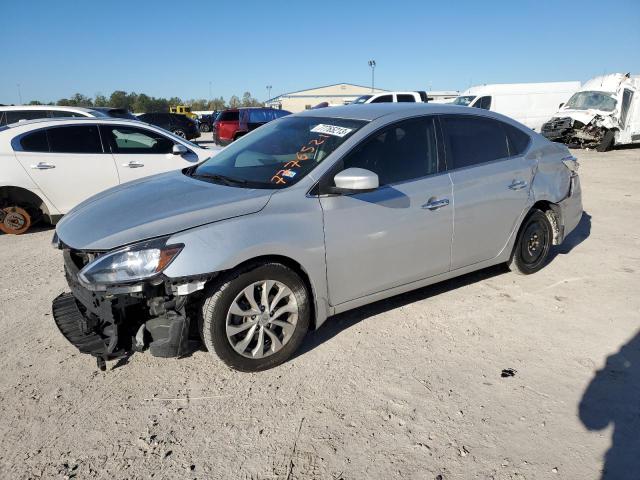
(465, 100)
(362, 99)
(592, 100)
(277, 154)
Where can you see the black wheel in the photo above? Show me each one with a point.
(532, 247)
(257, 317)
(606, 143)
(179, 132)
(204, 127)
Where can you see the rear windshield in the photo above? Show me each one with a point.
(277, 154)
(229, 116)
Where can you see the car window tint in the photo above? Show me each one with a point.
(35, 142)
(383, 99)
(229, 116)
(65, 114)
(14, 116)
(136, 140)
(473, 140)
(403, 97)
(518, 140)
(75, 139)
(404, 151)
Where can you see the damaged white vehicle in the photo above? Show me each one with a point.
(604, 113)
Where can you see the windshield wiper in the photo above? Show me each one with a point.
(221, 178)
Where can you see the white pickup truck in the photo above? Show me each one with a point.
(392, 97)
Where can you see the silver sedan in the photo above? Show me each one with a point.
(306, 217)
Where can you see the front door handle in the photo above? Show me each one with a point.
(43, 166)
(434, 204)
(133, 164)
(518, 185)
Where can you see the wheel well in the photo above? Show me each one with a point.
(24, 198)
(296, 267)
(552, 211)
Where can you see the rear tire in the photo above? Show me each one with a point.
(179, 132)
(237, 315)
(204, 128)
(532, 247)
(16, 220)
(606, 143)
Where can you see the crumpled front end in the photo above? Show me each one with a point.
(118, 321)
(576, 134)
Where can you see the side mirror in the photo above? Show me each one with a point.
(179, 149)
(355, 180)
(560, 106)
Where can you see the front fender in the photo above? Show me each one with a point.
(295, 232)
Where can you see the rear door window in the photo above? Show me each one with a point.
(35, 142)
(123, 139)
(65, 114)
(403, 97)
(383, 99)
(229, 116)
(74, 139)
(14, 116)
(518, 140)
(473, 140)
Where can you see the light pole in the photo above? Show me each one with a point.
(372, 64)
(19, 93)
(269, 87)
(209, 91)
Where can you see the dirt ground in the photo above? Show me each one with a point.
(407, 388)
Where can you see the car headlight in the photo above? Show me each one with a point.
(134, 263)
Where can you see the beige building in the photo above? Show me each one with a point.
(338, 94)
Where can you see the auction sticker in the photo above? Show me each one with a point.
(331, 130)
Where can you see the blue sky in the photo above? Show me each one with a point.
(165, 48)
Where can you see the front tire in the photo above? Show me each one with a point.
(257, 317)
(606, 143)
(532, 247)
(179, 132)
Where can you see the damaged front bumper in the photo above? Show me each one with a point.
(121, 320)
(574, 133)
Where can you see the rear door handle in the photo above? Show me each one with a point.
(434, 204)
(133, 164)
(518, 185)
(43, 166)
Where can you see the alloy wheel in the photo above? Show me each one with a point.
(261, 319)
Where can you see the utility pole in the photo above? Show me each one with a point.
(210, 91)
(269, 87)
(372, 64)
(19, 93)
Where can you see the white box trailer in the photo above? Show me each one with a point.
(603, 113)
(529, 103)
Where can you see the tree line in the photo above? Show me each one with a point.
(142, 103)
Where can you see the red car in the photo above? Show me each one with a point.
(232, 123)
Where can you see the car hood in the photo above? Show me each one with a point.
(584, 116)
(152, 207)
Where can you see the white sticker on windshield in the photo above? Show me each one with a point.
(331, 130)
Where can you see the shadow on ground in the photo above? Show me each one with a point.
(613, 398)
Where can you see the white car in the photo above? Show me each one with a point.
(18, 113)
(49, 166)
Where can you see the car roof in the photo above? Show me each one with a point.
(72, 121)
(8, 108)
(372, 111)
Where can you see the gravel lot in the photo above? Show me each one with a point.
(408, 388)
